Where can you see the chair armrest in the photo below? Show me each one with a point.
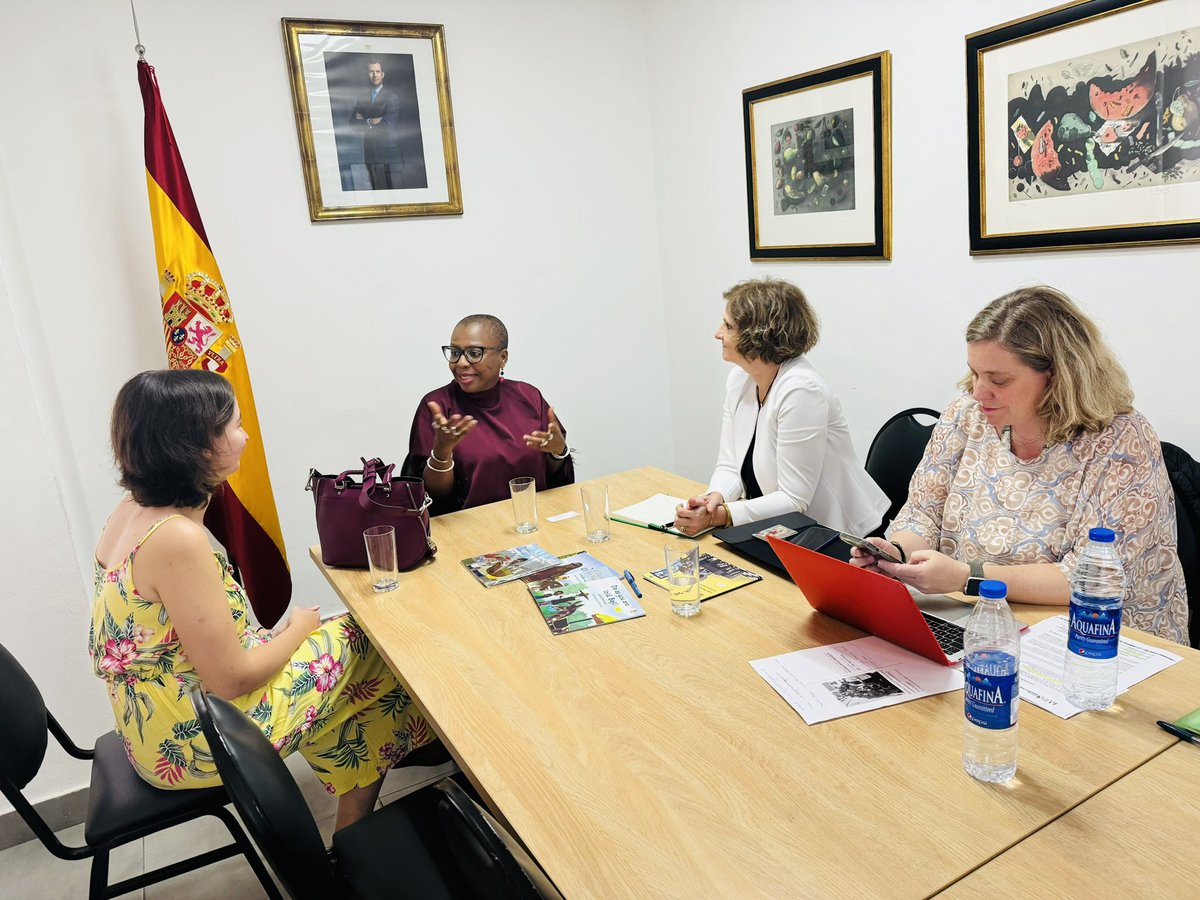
(66, 743)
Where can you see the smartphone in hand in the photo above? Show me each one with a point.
(867, 547)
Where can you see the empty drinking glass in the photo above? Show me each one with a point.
(381, 557)
(524, 499)
(597, 526)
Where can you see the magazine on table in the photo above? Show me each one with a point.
(504, 566)
(580, 592)
(717, 577)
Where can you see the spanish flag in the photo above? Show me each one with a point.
(201, 333)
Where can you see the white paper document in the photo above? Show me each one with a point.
(657, 510)
(824, 683)
(1043, 648)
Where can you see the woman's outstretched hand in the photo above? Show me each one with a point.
(552, 440)
(447, 432)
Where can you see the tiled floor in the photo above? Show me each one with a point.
(28, 870)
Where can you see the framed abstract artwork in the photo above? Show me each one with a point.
(1084, 128)
(818, 163)
(373, 116)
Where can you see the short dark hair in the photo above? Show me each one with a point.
(773, 319)
(164, 424)
(491, 322)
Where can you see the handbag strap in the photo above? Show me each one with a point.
(376, 476)
(374, 471)
(366, 499)
(346, 478)
(340, 481)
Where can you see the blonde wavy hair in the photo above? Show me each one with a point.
(773, 319)
(1044, 328)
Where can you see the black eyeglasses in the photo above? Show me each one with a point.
(473, 354)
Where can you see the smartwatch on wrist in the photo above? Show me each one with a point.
(974, 579)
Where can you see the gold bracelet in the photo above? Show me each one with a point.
(728, 515)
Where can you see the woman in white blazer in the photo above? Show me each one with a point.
(785, 446)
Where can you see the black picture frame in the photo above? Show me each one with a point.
(779, 229)
(1018, 226)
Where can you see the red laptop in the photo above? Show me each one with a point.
(929, 624)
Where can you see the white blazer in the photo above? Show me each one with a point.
(803, 457)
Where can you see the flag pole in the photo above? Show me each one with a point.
(139, 46)
(200, 332)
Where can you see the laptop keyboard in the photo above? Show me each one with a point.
(949, 635)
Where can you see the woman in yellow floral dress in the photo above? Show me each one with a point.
(167, 614)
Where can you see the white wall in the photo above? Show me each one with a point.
(603, 179)
(342, 322)
(44, 611)
(892, 331)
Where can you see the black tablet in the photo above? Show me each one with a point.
(808, 533)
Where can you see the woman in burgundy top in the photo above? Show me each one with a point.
(480, 430)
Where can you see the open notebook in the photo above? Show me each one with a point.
(656, 513)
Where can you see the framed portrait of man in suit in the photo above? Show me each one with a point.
(374, 119)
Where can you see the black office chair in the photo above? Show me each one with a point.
(493, 861)
(1184, 473)
(895, 453)
(398, 851)
(121, 806)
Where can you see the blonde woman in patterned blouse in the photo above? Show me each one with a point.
(1045, 446)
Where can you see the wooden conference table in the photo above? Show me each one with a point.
(648, 759)
(1088, 852)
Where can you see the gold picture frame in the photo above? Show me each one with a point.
(1082, 128)
(365, 94)
(819, 163)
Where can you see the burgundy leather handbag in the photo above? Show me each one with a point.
(346, 508)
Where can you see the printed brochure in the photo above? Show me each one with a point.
(580, 592)
(717, 577)
(504, 566)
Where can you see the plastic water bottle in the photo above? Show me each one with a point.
(991, 671)
(1097, 595)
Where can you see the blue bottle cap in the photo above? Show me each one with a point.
(993, 590)
(1102, 535)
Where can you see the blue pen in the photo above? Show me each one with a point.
(633, 584)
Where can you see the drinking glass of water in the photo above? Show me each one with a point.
(683, 576)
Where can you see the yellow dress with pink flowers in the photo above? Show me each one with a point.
(336, 701)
